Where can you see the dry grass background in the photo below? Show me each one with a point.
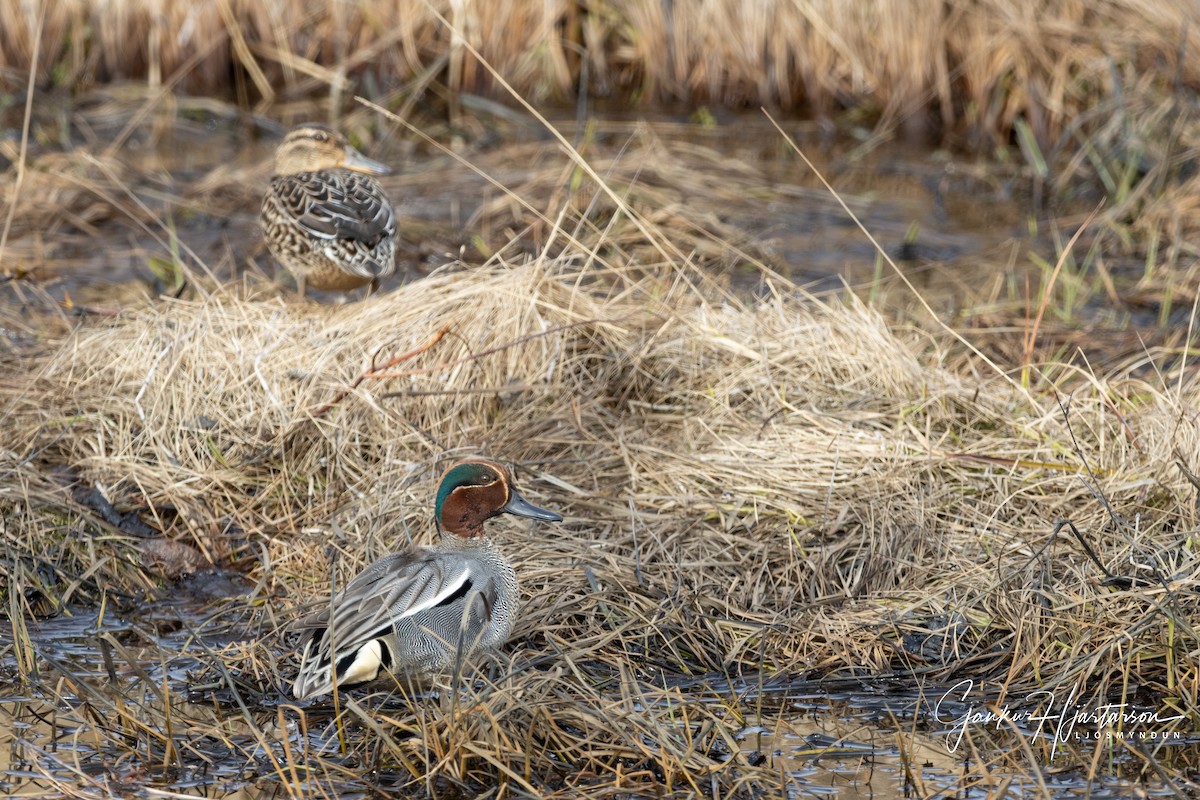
(976, 67)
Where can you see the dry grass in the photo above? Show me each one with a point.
(752, 494)
(759, 498)
(975, 68)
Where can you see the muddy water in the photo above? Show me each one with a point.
(121, 705)
(45, 746)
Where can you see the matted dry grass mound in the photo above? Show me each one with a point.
(789, 489)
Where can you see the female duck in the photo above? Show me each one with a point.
(325, 218)
(413, 613)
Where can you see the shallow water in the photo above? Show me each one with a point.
(74, 729)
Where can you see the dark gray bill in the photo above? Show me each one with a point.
(523, 508)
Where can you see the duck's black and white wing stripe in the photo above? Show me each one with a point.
(393, 588)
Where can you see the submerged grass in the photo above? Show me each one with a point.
(787, 490)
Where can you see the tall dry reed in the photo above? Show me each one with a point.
(928, 66)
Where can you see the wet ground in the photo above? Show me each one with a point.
(845, 738)
(963, 230)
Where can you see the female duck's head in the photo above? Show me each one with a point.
(311, 147)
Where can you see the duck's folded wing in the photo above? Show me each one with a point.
(395, 587)
(338, 206)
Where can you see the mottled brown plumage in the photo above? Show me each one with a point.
(325, 218)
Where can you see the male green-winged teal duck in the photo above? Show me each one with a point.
(325, 218)
(412, 613)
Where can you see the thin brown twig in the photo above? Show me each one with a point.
(379, 373)
(476, 356)
(85, 310)
(373, 370)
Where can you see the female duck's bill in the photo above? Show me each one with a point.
(355, 160)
